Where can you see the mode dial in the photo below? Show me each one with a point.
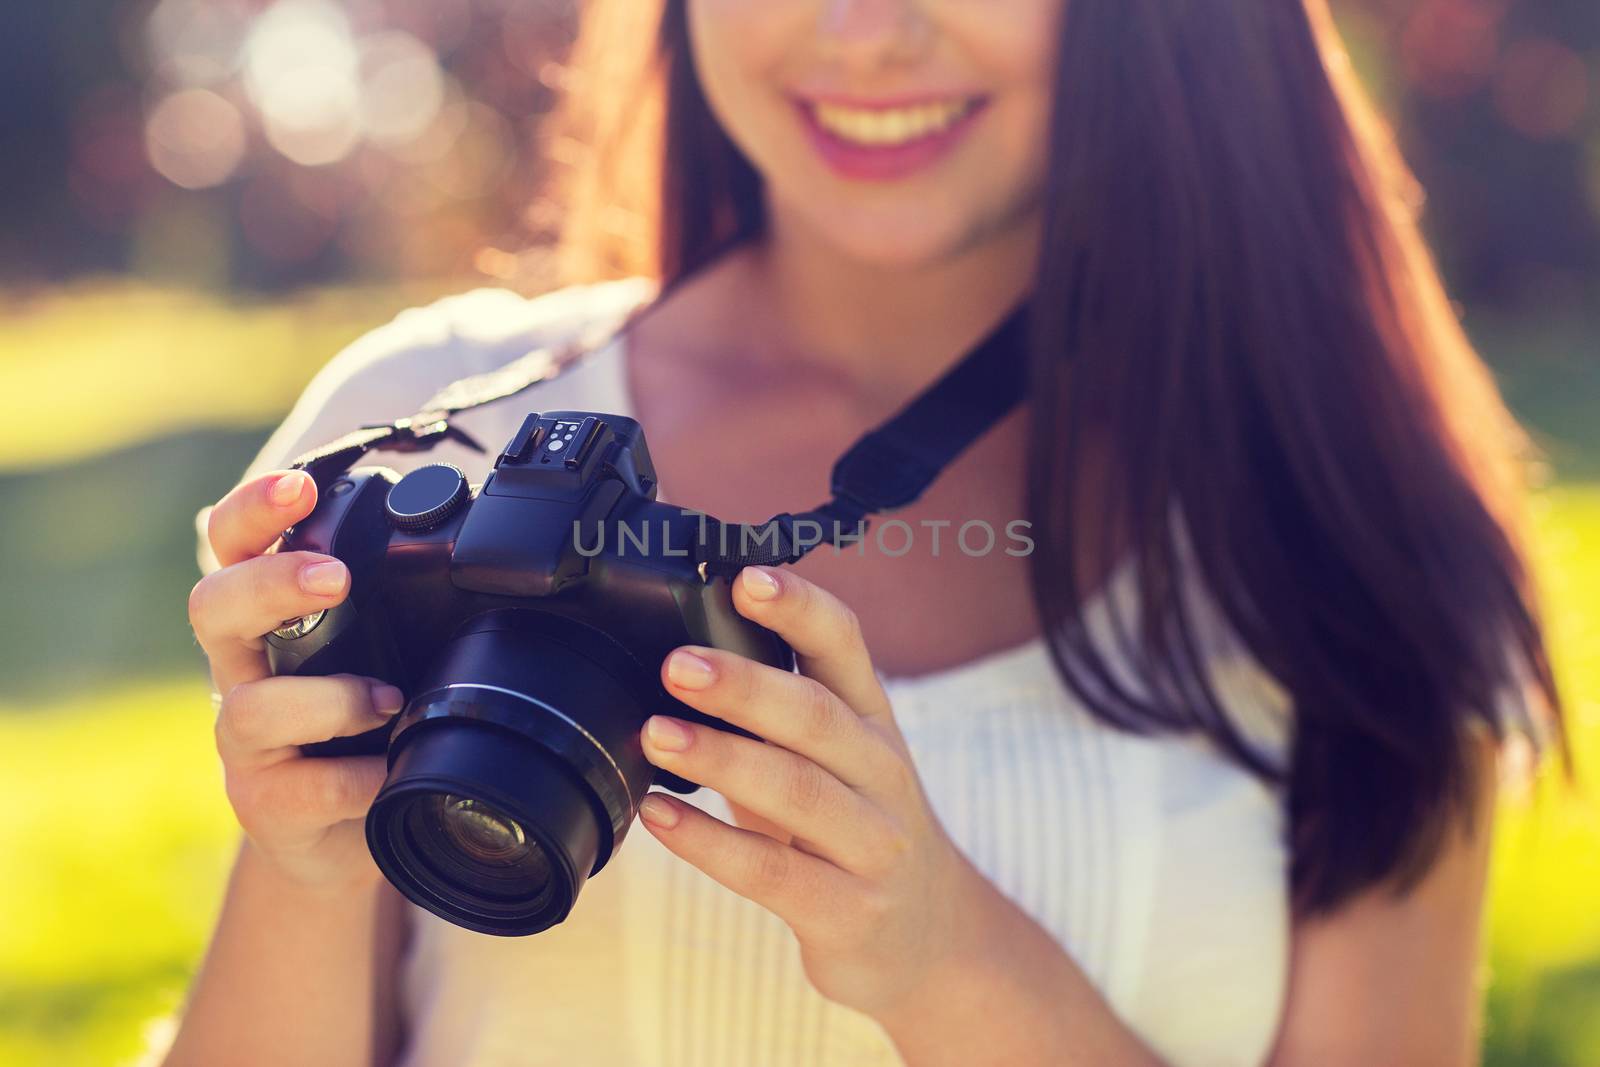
(426, 497)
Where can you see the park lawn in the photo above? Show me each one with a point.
(114, 843)
(104, 363)
(115, 839)
(1544, 1003)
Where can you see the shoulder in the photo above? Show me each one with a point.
(391, 371)
(484, 328)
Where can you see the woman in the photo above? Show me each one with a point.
(1205, 778)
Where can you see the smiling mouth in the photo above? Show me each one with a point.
(889, 127)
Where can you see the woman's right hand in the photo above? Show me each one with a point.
(304, 815)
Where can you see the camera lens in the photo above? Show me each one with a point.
(484, 829)
(513, 774)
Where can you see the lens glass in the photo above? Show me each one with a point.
(479, 830)
(474, 850)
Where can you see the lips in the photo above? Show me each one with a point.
(882, 141)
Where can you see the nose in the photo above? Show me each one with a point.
(873, 33)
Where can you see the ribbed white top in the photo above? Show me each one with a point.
(1159, 865)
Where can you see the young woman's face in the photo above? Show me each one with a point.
(902, 132)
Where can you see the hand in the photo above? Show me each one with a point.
(303, 815)
(859, 868)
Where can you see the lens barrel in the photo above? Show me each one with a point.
(513, 773)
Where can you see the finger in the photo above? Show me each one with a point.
(249, 519)
(796, 887)
(835, 821)
(793, 710)
(824, 633)
(262, 721)
(309, 793)
(232, 608)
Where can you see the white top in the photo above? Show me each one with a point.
(1157, 863)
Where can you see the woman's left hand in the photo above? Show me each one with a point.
(877, 894)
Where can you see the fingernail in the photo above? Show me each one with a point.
(689, 671)
(387, 700)
(667, 733)
(759, 583)
(287, 489)
(657, 810)
(323, 578)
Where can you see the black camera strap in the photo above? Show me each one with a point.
(888, 468)
(893, 465)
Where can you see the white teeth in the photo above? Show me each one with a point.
(889, 126)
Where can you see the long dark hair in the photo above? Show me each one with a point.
(1244, 365)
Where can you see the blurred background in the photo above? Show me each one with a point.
(205, 199)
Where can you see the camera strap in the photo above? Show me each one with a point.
(888, 468)
(891, 466)
(431, 425)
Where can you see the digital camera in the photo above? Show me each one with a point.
(526, 620)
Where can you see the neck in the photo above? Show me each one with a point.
(883, 330)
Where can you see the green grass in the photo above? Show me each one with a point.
(114, 841)
(114, 833)
(106, 364)
(1544, 1002)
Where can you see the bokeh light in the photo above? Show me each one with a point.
(197, 42)
(1449, 46)
(1541, 89)
(402, 87)
(420, 107)
(301, 71)
(195, 138)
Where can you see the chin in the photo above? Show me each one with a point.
(895, 239)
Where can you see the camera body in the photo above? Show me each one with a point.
(526, 620)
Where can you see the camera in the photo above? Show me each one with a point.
(525, 619)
